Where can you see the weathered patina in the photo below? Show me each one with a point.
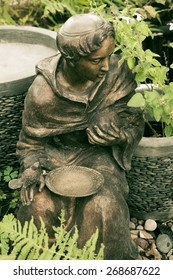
(76, 114)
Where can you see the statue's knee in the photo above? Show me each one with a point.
(38, 208)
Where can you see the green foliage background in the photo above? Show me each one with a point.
(51, 13)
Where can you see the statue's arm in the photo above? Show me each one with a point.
(31, 144)
(119, 127)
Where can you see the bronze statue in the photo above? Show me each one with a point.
(76, 114)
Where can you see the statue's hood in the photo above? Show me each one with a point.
(47, 67)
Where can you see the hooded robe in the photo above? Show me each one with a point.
(54, 123)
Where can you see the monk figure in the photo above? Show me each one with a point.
(76, 114)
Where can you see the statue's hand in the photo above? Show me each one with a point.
(27, 182)
(27, 190)
(106, 136)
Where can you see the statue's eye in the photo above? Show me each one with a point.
(96, 61)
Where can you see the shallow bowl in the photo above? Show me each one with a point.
(74, 181)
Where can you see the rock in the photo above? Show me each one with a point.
(134, 220)
(140, 227)
(143, 243)
(134, 236)
(172, 228)
(171, 257)
(169, 224)
(164, 243)
(135, 231)
(132, 225)
(170, 253)
(140, 250)
(150, 225)
(145, 235)
(154, 252)
(140, 222)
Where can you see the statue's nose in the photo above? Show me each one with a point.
(105, 64)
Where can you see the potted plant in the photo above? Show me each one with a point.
(151, 176)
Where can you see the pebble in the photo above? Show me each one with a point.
(140, 222)
(172, 228)
(133, 236)
(170, 253)
(132, 225)
(140, 249)
(170, 224)
(140, 227)
(135, 232)
(150, 225)
(164, 243)
(154, 252)
(134, 220)
(143, 243)
(145, 235)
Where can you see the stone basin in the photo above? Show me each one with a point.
(21, 48)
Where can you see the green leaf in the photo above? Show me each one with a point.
(151, 10)
(3, 196)
(8, 170)
(14, 174)
(150, 96)
(137, 100)
(168, 131)
(155, 62)
(150, 53)
(157, 112)
(6, 257)
(7, 178)
(140, 77)
(131, 62)
(161, 1)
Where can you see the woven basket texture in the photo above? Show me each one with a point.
(151, 186)
(11, 108)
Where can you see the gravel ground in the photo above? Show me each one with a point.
(154, 239)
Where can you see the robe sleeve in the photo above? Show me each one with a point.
(36, 130)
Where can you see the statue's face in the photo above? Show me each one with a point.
(95, 65)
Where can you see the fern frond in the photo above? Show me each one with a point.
(29, 243)
(7, 257)
(6, 226)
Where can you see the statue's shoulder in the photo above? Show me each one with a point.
(116, 62)
(48, 64)
(41, 90)
(115, 58)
